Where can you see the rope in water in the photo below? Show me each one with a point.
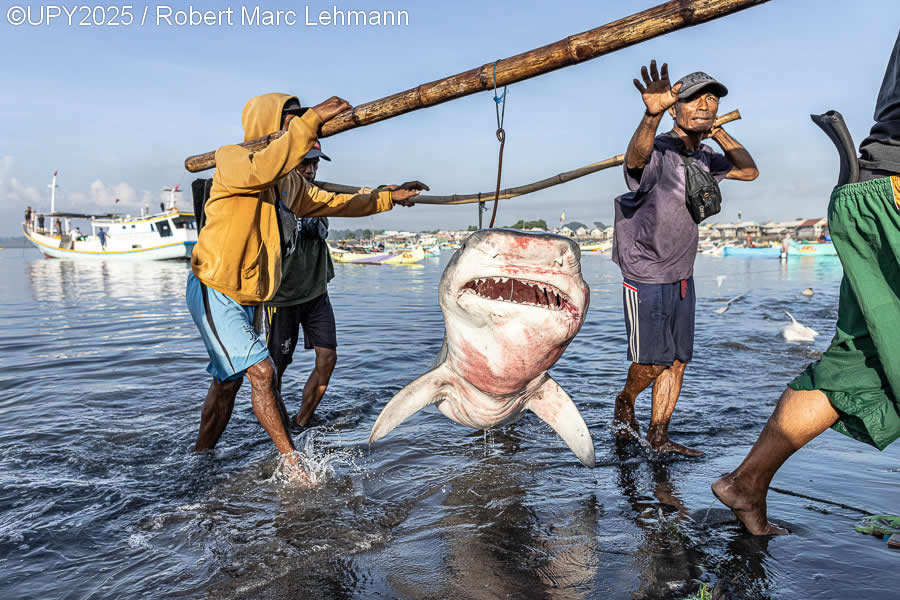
(814, 499)
(499, 101)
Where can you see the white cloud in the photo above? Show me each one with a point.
(14, 193)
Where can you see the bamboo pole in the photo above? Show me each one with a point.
(521, 190)
(639, 27)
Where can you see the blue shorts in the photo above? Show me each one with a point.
(659, 321)
(227, 330)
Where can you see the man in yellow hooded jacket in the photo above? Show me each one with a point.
(236, 263)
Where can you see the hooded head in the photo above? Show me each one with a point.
(262, 114)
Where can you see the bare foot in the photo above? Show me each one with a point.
(749, 510)
(299, 421)
(624, 421)
(670, 447)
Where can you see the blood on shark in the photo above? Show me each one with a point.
(512, 302)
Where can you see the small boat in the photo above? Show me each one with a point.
(402, 256)
(595, 247)
(433, 251)
(761, 252)
(812, 249)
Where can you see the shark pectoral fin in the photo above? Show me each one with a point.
(554, 406)
(418, 394)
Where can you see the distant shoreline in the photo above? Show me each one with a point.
(14, 242)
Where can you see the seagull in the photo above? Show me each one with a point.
(795, 332)
(722, 309)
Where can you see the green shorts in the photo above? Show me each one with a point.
(860, 371)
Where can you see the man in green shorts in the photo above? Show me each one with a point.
(855, 386)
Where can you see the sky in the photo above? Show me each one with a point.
(117, 109)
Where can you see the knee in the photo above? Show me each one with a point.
(326, 361)
(262, 374)
(231, 387)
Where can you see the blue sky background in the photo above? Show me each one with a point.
(117, 110)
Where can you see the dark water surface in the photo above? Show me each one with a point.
(102, 377)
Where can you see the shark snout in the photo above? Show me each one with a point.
(520, 250)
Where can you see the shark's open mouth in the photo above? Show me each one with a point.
(519, 291)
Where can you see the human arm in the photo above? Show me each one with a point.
(743, 167)
(658, 96)
(239, 168)
(312, 201)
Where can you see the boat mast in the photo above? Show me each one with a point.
(171, 191)
(52, 187)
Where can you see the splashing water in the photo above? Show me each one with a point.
(308, 466)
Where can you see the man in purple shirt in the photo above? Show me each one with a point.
(655, 241)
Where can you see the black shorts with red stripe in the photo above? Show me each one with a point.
(659, 321)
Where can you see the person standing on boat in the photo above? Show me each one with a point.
(655, 240)
(102, 235)
(854, 387)
(302, 301)
(250, 224)
(28, 215)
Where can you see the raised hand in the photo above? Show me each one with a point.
(658, 95)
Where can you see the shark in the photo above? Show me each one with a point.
(512, 302)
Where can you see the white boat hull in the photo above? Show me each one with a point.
(91, 249)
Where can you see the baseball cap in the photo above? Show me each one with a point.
(292, 106)
(316, 152)
(698, 80)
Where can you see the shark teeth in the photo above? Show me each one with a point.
(519, 291)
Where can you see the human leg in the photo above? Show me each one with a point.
(234, 347)
(639, 378)
(666, 390)
(284, 329)
(267, 407)
(216, 412)
(640, 302)
(316, 384)
(320, 333)
(798, 418)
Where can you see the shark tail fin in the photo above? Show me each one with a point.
(418, 394)
(554, 406)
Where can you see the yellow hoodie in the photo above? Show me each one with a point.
(239, 249)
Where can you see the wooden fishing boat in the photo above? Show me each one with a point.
(812, 249)
(164, 236)
(401, 256)
(596, 248)
(760, 252)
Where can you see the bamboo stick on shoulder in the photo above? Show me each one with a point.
(521, 190)
(639, 27)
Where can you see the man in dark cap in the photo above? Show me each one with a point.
(302, 298)
(656, 237)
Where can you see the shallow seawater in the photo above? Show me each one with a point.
(102, 377)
